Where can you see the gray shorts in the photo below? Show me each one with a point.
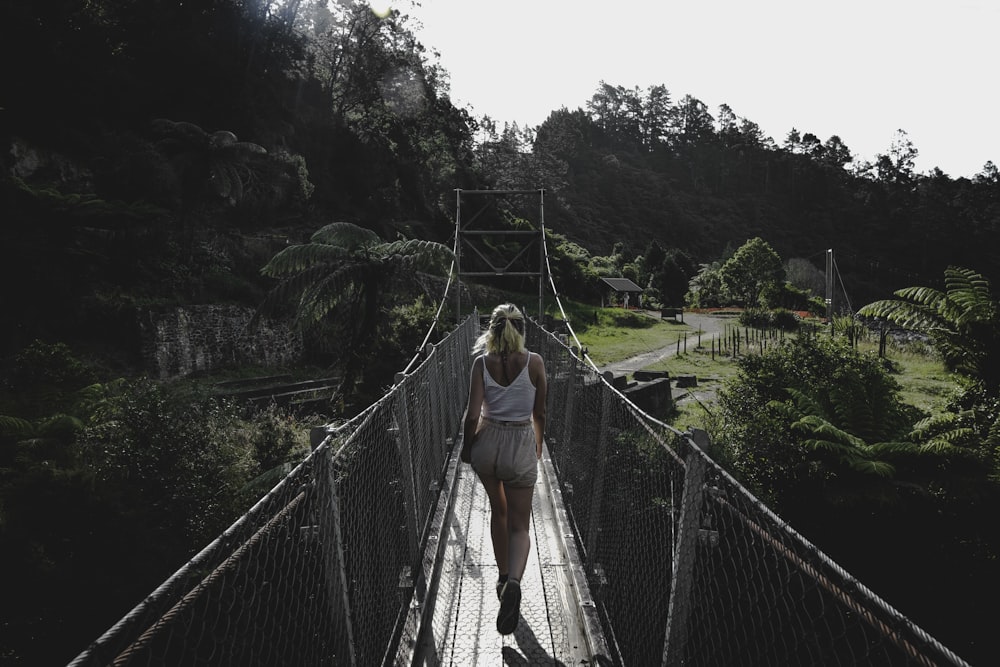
(506, 450)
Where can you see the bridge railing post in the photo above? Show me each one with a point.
(597, 490)
(685, 552)
(334, 565)
(405, 446)
(564, 432)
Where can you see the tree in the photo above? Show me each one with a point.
(342, 279)
(706, 288)
(896, 166)
(656, 116)
(836, 152)
(793, 141)
(692, 122)
(814, 417)
(963, 321)
(619, 111)
(728, 130)
(754, 266)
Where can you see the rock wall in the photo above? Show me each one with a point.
(192, 339)
(653, 397)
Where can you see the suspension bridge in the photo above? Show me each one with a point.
(375, 550)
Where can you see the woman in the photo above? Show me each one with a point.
(504, 427)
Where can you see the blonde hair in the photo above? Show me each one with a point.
(505, 333)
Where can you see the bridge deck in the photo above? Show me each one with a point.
(558, 624)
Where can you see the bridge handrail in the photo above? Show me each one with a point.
(685, 564)
(321, 569)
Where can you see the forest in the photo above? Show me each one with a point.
(168, 154)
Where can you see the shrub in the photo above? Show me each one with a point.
(757, 318)
(785, 320)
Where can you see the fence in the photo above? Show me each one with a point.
(323, 569)
(686, 566)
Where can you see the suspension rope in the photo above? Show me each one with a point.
(836, 269)
(586, 357)
(437, 315)
(555, 294)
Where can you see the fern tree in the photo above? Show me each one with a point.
(862, 435)
(343, 281)
(812, 418)
(963, 322)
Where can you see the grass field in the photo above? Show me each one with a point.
(608, 343)
(925, 382)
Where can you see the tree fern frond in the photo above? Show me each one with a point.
(221, 138)
(180, 130)
(904, 313)
(289, 290)
(347, 235)
(15, 427)
(952, 436)
(822, 429)
(59, 424)
(960, 279)
(892, 447)
(945, 443)
(822, 444)
(805, 403)
(870, 467)
(415, 247)
(785, 409)
(933, 423)
(323, 294)
(296, 258)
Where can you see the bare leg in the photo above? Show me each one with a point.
(498, 521)
(518, 527)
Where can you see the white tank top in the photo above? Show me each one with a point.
(513, 403)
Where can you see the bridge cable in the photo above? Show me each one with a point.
(437, 315)
(585, 356)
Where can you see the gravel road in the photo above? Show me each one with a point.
(710, 325)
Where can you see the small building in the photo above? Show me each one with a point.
(625, 287)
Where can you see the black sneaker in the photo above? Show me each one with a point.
(500, 590)
(510, 607)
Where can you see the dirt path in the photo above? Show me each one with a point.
(711, 326)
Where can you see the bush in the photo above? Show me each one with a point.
(784, 320)
(760, 318)
(854, 387)
(756, 318)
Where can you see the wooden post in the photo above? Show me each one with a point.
(685, 554)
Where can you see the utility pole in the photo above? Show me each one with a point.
(829, 288)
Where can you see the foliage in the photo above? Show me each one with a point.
(706, 289)
(98, 506)
(341, 282)
(753, 267)
(106, 209)
(962, 320)
(761, 318)
(796, 401)
(963, 323)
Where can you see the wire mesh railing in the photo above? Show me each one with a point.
(321, 570)
(685, 565)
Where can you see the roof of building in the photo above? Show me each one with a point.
(622, 285)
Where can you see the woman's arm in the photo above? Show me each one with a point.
(475, 405)
(536, 372)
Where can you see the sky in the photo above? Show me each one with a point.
(858, 69)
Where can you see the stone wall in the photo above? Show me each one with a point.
(651, 393)
(654, 397)
(191, 339)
